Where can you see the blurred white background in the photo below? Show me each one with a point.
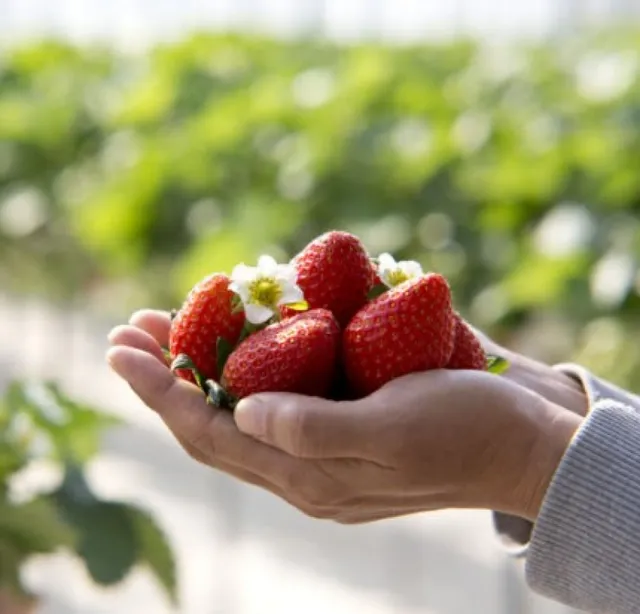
(137, 22)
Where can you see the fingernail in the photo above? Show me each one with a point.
(250, 416)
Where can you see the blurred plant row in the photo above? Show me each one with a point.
(41, 427)
(514, 171)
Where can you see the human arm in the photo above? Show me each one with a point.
(585, 546)
(583, 549)
(569, 385)
(429, 441)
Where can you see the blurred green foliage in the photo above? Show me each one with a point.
(40, 424)
(514, 171)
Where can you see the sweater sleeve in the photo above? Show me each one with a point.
(585, 546)
(515, 533)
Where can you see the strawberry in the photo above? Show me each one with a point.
(205, 316)
(407, 329)
(298, 354)
(334, 273)
(467, 351)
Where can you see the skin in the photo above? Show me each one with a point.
(428, 441)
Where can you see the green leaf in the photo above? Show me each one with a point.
(167, 354)
(223, 351)
(299, 306)
(80, 439)
(107, 545)
(72, 429)
(35, 527)
(497, 364)
(154, 551)
(106, 537)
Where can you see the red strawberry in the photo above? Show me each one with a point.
(467, 351)
(298, 354)
(334, 273)
(205, 316)
(409, 328)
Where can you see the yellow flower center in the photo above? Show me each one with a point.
(265, 291)
(397, 277)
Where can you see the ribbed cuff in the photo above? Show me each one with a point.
(598, 389)
(585, 546)
(513, 532)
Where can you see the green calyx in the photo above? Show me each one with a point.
(376, 291)
(497, 364)
(215, 394)
(249, 329)
(223, 351)
(167, 354)
(218, 396)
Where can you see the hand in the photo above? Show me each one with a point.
(552, 384)
(428, 441)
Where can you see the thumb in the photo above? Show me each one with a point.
(306, 427)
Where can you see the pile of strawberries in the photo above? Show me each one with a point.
(350, 335)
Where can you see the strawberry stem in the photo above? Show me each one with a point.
(249, 328)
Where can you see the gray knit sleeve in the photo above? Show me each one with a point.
(515, 533)
(585, 547)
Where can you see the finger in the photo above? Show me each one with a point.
(136, 338)
(376, 515)
(307, 427)
(212, 432)
(156, 323)
(287, 497)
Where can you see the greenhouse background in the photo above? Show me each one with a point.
(144, 144)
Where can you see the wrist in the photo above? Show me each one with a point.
(554, 431)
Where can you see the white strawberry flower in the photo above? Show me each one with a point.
(264, 288)
(393, 273)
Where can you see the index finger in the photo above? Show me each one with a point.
(183, 409)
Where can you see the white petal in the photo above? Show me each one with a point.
(242, 290)
(387, 261)
(286, 273)
(257, 314)
(268, 266)
(290, 294)
(243, 274)
(411, 268)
